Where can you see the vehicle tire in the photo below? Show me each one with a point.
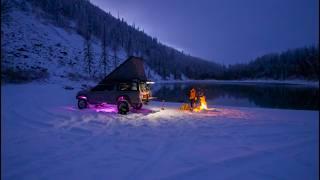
(137, 106)
(123, 107)
(82, 104)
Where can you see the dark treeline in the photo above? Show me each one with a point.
(301, 63)
(116, 34)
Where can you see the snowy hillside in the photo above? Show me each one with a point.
(34, 46)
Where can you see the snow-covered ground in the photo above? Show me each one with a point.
(44, 136)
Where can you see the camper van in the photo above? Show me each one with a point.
(126, 86)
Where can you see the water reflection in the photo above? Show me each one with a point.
(247, 95)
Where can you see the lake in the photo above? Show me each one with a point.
(281, 96)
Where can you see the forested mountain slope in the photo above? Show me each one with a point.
(77, 39)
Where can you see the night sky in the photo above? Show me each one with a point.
(224, 31)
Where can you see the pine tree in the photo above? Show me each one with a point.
(104, 54)
(6, 7)
(88, 52)
(115, 58)
(58, 10)
(115, 38)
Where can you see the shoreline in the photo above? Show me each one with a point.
(288, 82)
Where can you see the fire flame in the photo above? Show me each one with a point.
(203, 104)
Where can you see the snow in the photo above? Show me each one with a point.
(151, 74)
(31, 41)
(44, 136)
(184, 77)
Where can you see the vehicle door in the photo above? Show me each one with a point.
(97, 94)
(129, 89)
(109, 93)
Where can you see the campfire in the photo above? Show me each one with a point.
(201, 105)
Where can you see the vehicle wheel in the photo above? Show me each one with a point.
(82, 104)
(137, 106)
(123, 107)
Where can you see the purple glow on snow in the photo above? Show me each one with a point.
(107, 109)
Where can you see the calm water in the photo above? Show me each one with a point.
(281, 96)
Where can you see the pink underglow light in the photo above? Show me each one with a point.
(121, 98)
(105, 108)
(82, 97)
(142, 111)
(108, 109)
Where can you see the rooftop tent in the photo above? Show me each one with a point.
(129, 70)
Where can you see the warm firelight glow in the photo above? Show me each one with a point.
(202, 105)
(203, 102)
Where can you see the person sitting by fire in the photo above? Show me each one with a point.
(192, 98)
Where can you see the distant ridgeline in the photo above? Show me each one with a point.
(300, 63)
(115, 34)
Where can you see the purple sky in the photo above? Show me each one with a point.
(225, 31)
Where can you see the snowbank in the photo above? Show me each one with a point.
(45, 136)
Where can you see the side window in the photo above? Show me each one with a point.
(134, 86)
(128, 86)
(124, 87)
